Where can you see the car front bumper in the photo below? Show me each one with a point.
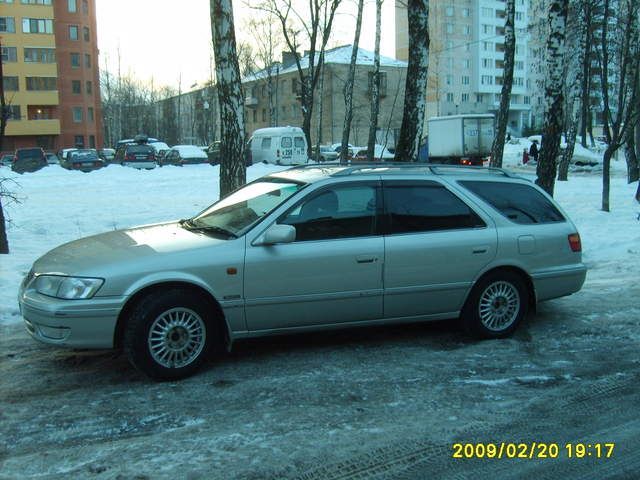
(71, 323)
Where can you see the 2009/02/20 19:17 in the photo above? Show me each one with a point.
(532, 450)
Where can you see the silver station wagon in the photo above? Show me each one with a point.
(310, 248)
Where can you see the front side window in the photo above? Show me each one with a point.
(266, 143)
(235, 214)
(425, 207)
(299, 142)
(518, 202)
(337, 212)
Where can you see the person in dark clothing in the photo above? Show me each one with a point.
(533, 151)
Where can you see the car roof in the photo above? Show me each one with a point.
(316, 172)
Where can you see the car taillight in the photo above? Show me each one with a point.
(575, 243)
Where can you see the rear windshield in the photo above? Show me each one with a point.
(29, 153)
(84, 155)
(139, 149)
(519, 202)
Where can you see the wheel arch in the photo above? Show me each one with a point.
(219, 317)
(513, 269)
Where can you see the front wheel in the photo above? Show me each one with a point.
(496, 305)
(169, 334)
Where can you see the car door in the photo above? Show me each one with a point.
(331, 273)
(435, 246)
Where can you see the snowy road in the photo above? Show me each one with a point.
(369, 403)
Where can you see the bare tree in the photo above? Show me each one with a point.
(553, 112)
(4, 117)
(375, 86)
(416, 83)
(497, 148)
(316, 27)
(619, 53)
(348, 87)
(577, 43)
(230, 98)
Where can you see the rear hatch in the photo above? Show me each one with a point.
(140, 153)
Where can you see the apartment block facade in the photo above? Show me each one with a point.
(467, 57)
(50, 73)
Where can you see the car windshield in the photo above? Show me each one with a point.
(235, 214)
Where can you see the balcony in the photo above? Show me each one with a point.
(33, 127)
(251, 102)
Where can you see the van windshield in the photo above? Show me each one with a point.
(242, 209)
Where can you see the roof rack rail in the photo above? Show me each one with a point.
(435, 167)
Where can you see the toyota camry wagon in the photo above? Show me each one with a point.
(310, 248)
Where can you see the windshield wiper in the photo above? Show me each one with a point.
(190, 224)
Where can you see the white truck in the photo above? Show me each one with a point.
(460, 139)
(279, 145)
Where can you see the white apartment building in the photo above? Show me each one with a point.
(467, 56)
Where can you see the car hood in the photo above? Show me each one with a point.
(106, 253)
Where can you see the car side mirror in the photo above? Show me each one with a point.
(278, 234)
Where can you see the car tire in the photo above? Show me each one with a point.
(169, 334)
(496, 305)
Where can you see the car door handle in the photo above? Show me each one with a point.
(480, 249)
(366, 258)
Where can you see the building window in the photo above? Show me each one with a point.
(9, 54)
(85, 7)
(465, 80)
(449, 79)
(76, 86)
(487, 46)
(7, 25)
(486, 80)
(449, 97)
(39, 55)
(86, 34)
(466, 29)
(527, 100)
(487, 12)
(78, 140)
(77, 114)
(448, 11)
(465, 12)
(73, 32)
(75, 60)
(37, 25)
(465, 98)
(518, 81)
(41, 83)
(87, 60)
(92, 141)
(449, 27)
(487, 63)
(487, 29)
(519, 16)
(10, 84)
(479, 98)
(14, 112)
(264, 114)
(284, 112)
(90, 114)
(519, 65)
(466, 63)
(382, 87)
(34, 2)
(89, 87)
(255, 116)
(72, 6)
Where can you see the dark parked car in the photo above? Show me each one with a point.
(52, 158)
(85, 160)
(28, 160)
(136, 155)
(6, 159)
(107, 154)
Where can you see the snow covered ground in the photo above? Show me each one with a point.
(371, 403)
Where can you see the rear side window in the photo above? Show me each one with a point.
(266, 143)
(298, 142)
(285, 142)
(424, 207)
(518, 202)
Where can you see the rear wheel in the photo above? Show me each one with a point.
(496, 305)
(169, 334)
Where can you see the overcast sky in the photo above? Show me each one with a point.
(161, 39)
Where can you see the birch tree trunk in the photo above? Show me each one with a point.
(416, 83)
(497, 148)
(553, 115)
(4, 116)
(375, 87)
(230, 98)
(348, 88)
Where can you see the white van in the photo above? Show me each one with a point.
(279, 145)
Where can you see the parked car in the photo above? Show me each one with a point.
(136, 155)
(310, 249)
(85, 159)
(63, 156)
(161, 149)
(380, 154)
(6, 159)
(28, 160)
(327, 154)
(107, 154)
(183, 155)
(52, 158)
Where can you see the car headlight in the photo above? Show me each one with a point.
(68, 288)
